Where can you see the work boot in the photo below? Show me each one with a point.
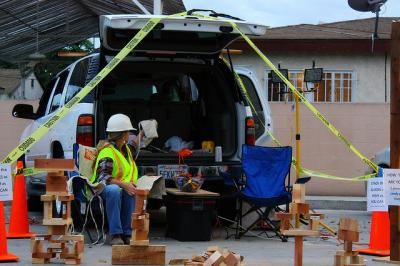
(116, 240)
(126, 239)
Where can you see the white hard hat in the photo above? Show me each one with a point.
(119, 123)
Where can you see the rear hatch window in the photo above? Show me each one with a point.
(180, 35)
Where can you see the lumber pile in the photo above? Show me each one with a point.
(349, 233)
(213, 256)
(139, 252)
(57, 243)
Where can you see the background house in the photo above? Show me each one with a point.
(353, 94)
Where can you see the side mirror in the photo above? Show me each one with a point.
(24, 111)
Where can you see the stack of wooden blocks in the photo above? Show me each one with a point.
(139, 252)
(58, 243)
(349, 233)
(299, 209)
(214, 256)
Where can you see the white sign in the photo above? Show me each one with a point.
(376, 195)
(5, 182)
(391, 179)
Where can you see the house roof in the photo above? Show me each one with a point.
(9, 80)
(344, 37)
(350, 29)
(47, 25)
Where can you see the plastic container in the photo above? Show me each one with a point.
(190, 218)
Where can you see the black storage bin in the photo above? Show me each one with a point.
(190, 215)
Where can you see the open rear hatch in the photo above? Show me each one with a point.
(178, 35)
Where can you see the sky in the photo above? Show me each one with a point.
(275, 13)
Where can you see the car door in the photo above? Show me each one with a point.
(42, 148)
(258, 98)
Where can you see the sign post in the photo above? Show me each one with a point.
(6, 192)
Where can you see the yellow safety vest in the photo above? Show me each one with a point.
(123, 169)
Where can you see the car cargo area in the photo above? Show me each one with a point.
(192, 103)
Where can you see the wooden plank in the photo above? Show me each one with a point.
(178, 261)
(52, 197)
(298, 194)
(300, 232)
(139, 242)
(56, 184)
(55, 164)
(349, 224)
(58, 229)
(57, 221)
(386, 260)
(200, 192)
(138, 255)
(73, 237)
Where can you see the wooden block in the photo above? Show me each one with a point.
(300, 232)
(56, 245)
(213, 248)
(138, 221)
(215, 259)
(52, 197)
(36, 246)
(299, 208)
(56, 184)
(47, 210)
(357, 260)
(57, 221)
(313, 224)
(43, 255)
(178, 261)
(348, 224)
(138, 255)
(40, 260)
(230, 259)
(298, 194)
(348, 235)
(339, 260)
(348, 246)
(193, 263)
(79, 247)
(55, 164)
(58, 229)
(139, 242)
(198, 258)
(73, 238)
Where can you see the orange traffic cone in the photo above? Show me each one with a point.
(4, 255)
(379, 238)
(19, 226)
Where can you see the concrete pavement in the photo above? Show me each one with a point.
(257, 251)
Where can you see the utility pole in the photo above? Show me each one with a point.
(394, 211)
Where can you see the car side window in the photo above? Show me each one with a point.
(78, 78)
(44, 100)
(255, 100)
(58, 90)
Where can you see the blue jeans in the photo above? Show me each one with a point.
(119, 208)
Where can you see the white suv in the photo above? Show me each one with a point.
(175, 75)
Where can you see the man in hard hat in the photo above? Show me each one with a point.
(115, 168)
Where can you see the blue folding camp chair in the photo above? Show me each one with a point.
(265, 169)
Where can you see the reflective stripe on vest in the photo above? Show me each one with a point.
(123, 169)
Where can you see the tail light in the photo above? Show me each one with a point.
(85, 130)
(250, 131)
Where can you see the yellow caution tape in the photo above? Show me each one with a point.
(32, 171)
(305, 101)
(43, 129)
(302, 170)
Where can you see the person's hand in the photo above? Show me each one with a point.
(129, 188)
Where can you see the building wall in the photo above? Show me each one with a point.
(365, 125)
(11, 127)
(29, 89)
(369, 70)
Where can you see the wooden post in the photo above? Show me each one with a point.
(394, 135)
(298, 250)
